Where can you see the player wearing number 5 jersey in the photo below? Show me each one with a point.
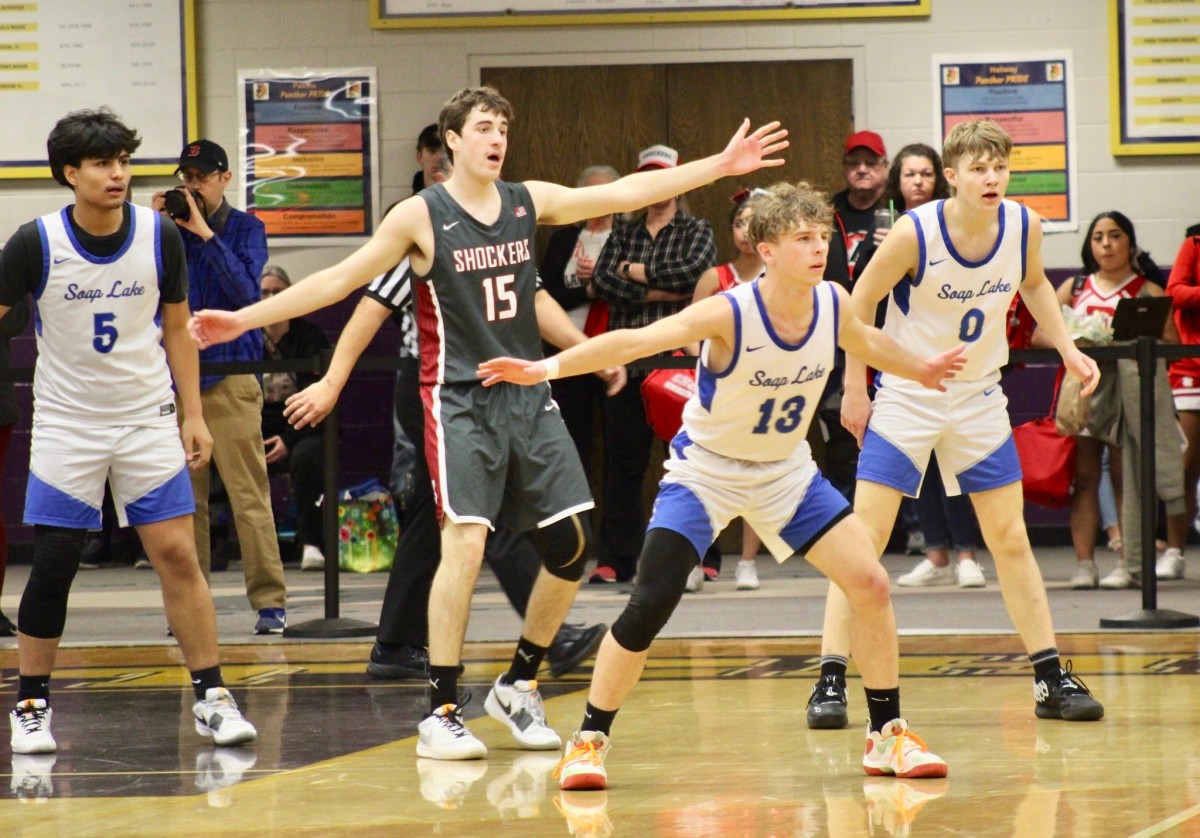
(109, 284)
(767, 350)
(505, 452)
(952, 268)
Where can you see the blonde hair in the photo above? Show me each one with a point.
(782, 208)
(975, 140)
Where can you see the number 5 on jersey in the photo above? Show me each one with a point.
(106, 332)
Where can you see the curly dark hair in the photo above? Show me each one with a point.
(941, 186)
(1140, 260)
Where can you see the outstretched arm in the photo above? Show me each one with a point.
(312, 404)
(883, 353)
(708, 319)
(404, 229)
(746, 152)
(559, 330)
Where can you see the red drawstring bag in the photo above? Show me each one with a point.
(665, 392)
(1047, 462)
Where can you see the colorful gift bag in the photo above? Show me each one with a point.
(368, 528)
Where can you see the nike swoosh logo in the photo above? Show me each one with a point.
(989, 391)
(195, 680)
(64, 259)
(433, 683)
(754, 348)
(586, 714)
(938, 262)
(524, 657)
(549, 407)
(448, 226)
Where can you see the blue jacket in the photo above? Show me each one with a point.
(224, 273)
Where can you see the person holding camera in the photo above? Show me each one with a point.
(226, 251)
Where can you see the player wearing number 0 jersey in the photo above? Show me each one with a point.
(968, 425)
(951, 268)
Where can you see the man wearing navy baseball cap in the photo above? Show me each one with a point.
(226, 251)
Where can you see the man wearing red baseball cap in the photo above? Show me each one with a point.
(864, 163)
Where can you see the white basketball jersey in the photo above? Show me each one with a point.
(1092, 300)
(952, 300)
(99, 328)
(760, 408)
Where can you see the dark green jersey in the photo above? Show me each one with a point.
(477, 301)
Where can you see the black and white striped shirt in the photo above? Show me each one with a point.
(394, 289)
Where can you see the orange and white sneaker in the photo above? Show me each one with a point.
(586, 814)
(582, 765)
(898, 752)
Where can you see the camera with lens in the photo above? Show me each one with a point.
(175, 202)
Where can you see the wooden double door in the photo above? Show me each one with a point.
(568, 118)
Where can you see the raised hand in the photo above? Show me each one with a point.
(512, 370)
(943, 367)
(748, 152)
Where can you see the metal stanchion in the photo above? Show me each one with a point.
(332, 625)
(1149, 616)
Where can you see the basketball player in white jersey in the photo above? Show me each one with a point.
(109, 281)
(470, 240)
(952, 268)
(768, 348)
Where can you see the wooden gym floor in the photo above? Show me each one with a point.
(712, 743)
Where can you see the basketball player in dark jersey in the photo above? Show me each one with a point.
(502, 454)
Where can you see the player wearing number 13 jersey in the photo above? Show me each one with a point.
(767, 349)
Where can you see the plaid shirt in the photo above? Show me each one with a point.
(674, 261)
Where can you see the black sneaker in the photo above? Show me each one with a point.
(1066, 697)
(827, 705)
(573, 644)
(398, 663)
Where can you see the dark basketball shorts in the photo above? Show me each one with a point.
(501, 454)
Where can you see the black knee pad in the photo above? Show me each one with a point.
(667, 559)
(56, 554)
(565, 546)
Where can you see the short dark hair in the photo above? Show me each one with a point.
(456, 110)
(429, 139)
(87, 134)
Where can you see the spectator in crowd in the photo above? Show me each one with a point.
(1115, 268)
(746, 267)
(429, 157)
(1183, 287)
(11, 326)
(648, 270)
(226, 251)
(296, 451)
(865, 165)
(566, 272)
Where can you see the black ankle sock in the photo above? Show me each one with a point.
(834, 665)
(1046, 664)
(597, 719)
(205, 679)
(443, 686)
(883, 705)
(33, 686)
(525, 663)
